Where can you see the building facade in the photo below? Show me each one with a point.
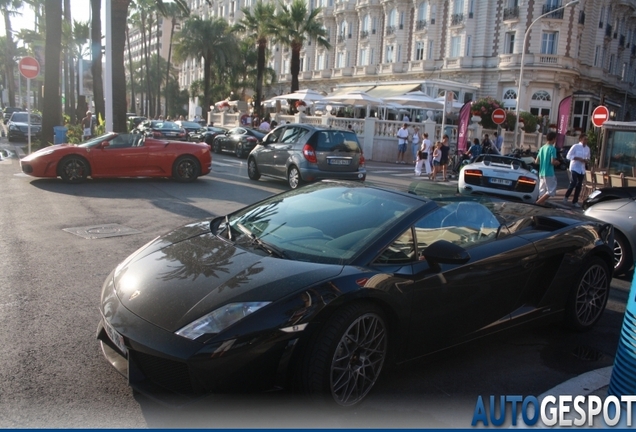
(587, 50)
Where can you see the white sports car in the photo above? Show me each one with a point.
(499, 175)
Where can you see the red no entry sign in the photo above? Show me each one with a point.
(600, 115)
(29, 67)
(498, 116)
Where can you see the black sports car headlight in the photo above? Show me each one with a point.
(219, 319)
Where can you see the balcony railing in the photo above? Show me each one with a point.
(557, 14)
(457, 19)
(390, 30)
(364, 34)
(511, 13)
(341, 38)
(420, 25)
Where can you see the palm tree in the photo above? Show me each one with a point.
(175, 13)
(96, 55)
(259, 24)
(210, 40)
(81, 31)
(51, 111)
(9, 8)
(297, 25)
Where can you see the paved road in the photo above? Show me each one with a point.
(53, 374)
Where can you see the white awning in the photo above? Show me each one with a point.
(348, 89)
(384, 91)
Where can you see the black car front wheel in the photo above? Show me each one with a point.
(217, 147)
(345, 359)
(589, 295)
(73, 169)
(239, 151)
(185, 169)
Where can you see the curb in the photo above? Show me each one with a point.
(583, 384)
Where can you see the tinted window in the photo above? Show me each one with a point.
(292, 134)
(331, 141)
(22, 117)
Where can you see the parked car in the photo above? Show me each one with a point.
(239, 140)
(135, 119)
(120, 155)
(620, 213)
(7, 111)
(189, 126)
(607, 194)
(162, 129)
(301, 153)
(318, 288)
(18, 126)
(499, 175)
(206, 134)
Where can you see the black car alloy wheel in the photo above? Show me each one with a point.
(622, 254)
(589, 295)
(345, 360)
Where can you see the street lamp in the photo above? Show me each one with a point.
(523, 56)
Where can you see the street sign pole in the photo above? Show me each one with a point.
(29, 68)
(29, 112)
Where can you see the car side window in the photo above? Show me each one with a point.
(401, 251)
(464, 223)
(122, 141)
(292, 134)
(274, 136)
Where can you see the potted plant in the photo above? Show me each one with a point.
(300, 106)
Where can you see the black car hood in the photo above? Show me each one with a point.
(190, 272)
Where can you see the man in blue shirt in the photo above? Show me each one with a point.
(547, 160)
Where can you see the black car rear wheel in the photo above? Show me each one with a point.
(217, 147)
(293, 177)
(622, 254)
(185, 169)
(589, 295)
(346, 358)
(73, 169)
(252, 169)
(239, 151)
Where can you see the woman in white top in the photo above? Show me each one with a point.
(424, 164)
(415, 143)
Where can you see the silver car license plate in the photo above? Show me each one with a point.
(339, 161)
(501, 181)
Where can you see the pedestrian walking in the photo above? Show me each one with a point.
(578, 156)
(547, 160)
(443, 163)
(87, 126)
(415, 143)
(403, 136)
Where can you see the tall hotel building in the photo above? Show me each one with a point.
(587, 50)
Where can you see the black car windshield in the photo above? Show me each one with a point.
(165, 125)
(325, 222)
(22, 117)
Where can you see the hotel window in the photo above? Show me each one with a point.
(549, 42)
(455, 46)
(611, 64)
(421, 11)
(433, 13)
(364, 60)
(390, 52)
(458, 7)
(372, 56)
(419, 50)
(398, 58)
(340, 61)
(468, 43)
(509, 47)
(429, 53)
(401, 20)
(365, 23)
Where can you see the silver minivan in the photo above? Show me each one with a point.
(301, 153)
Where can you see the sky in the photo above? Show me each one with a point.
(80, 11)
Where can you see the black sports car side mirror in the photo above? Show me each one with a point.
(445, 252)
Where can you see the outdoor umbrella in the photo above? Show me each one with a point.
(303, 95)
(355, 98)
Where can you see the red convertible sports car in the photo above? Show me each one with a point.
(120, 155)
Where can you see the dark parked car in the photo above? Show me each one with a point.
(162, 129)
(317, 288)
(239, 140)
(608, 194)
(302, 153)
(18, 126)
(7, 111)
(206, 134)
(189, 126)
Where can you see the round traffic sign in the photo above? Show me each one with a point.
(600, 115)
(29, 67)
(498, 116)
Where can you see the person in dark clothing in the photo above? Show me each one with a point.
(444, 160)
